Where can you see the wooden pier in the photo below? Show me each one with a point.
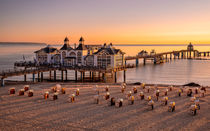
(166, 56)
(95, 73)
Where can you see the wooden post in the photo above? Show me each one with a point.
(38, 77)
(93, 75)
(155, 60)
(81, 76)
(144, 61)
(170, 56)
(75, 75)
(61, 75)
(25, 78)
(182, 55)
(104, 77)
(54, 75)
(42, 77)
(90, 75)
(33, 77)
(137, 62)
(124, 78)
(115, 77)
(66, 75)
(50, 74)
(2, 82)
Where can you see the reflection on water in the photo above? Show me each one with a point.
(174, 72)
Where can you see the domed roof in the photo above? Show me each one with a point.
(190, 45)
(81, 39)
(66, 39)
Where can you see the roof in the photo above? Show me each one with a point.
(111, 51)
(66, 39)
(66, 47)
(47, 49)
(81, 47)
(81, 39)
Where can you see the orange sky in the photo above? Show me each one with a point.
(119, 22)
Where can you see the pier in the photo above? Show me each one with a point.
(166, 56)
(94, 73)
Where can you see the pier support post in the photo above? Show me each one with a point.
(182, 55)
(25, 78)
(50, 74)
(66, 75)
(54, 75)
(115, 77)
(61, 75)
(2, 82)
(42, 77)
(81, 76)
(93, 76)
(104, 77)
(137, 62)
(124, 76)
(75, 75)
(144, 61)
(38, 77)
(155, 60)
(33, 77)
(170, 56)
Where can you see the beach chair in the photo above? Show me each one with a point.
(193, 110)
(72, 98)
(171, 107)
(151, 105)
(77, 92)
(55, 96)
(119, 102)
(143, 85)
(30, 93)
(107, 88)
(164, 100)
(196, 90)
(46, 95)
(141, 94)
(131, 100)
(111, 102)
(189, 92)
(157, 94)
(21, 92)
(12, 91)
(26, 87)
(63, 90)
(107, 95)
(134, 90)
(166, 92)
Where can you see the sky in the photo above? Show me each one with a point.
(100, 21)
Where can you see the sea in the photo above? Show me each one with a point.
(178, 72)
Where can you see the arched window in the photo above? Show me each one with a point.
(63, 54)
(72, 54)
(79, 57)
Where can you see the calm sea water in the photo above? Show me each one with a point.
(173, 72)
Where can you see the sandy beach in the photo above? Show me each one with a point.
(36, 113)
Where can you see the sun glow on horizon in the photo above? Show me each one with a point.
(147, 22)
